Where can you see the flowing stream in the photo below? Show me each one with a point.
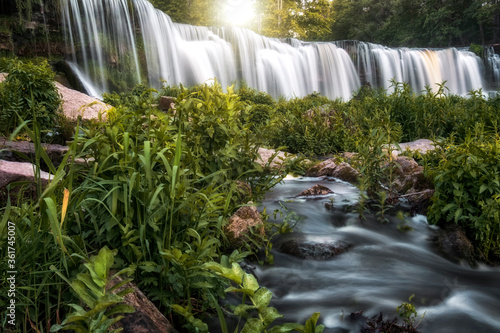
(381, 270)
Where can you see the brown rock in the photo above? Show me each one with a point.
(146, 318)
(244, 219)
(324, 168)
(346, 172)
(166, 103)
(77, 104)
(410, 176)
(329, 168)
(315, 190)
(271, 157)
(20, 171)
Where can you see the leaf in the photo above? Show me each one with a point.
(262, 298)
(288, 327)
(448, 207)
(249, 292)
(210, 131)
(250, 282)
(89, 282)
(64, 205)
(103, 262)
(483, 188)
(120, 308)
(82, 292)
(269, 315)
(310, 326)
(253, 325)
(242, 310)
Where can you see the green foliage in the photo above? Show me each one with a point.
(259, 299)
(162, 186)
(94, 289)
(375, 151)
(467, 186)
(477, 49)
(408, 312)
(41, 242)
(312, 125)
(29, 94)
(434, 23)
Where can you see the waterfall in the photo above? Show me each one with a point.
(120, 43)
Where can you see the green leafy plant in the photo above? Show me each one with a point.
(467, 186)
(29, 94)
(255, 307)
(105, 307)
(408, 313)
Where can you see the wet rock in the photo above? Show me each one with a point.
(20, 171)
(241, 223)
(310, 250)
(8, 150)
(146, 318)
(453, 243)
(315, 190)
(330, 168)
(346, 172)
(275, 159)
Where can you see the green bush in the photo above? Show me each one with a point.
(313, 125)
(29, 94)
(467, 184)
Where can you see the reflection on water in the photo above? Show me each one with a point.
(382, 269)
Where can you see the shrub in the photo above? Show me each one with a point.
(467, 184)
(29, 94)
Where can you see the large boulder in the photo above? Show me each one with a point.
(77, 104)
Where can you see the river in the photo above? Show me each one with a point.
(382, 269)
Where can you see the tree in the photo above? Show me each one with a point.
(314, 20)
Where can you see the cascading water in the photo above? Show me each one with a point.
(119, 43)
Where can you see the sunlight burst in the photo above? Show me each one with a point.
(239, 12)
